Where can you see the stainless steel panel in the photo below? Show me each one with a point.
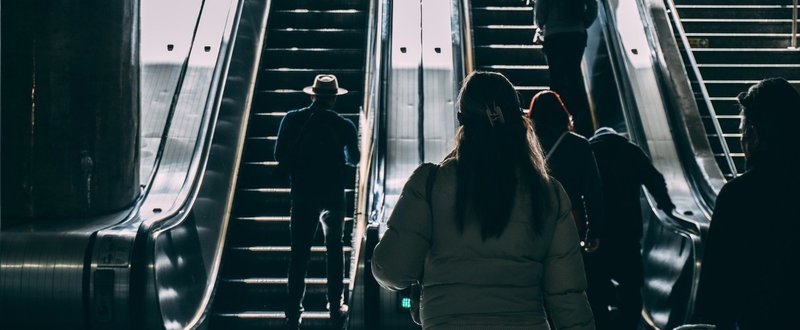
(403, 104)
(166, 39)
(438, 76)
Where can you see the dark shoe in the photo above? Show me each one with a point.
(339, 316)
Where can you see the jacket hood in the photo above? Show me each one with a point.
(607, 134)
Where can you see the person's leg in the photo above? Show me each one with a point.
(303, 226)
(564, 54)
(554, 52)
(598, 288)
(629, 276)
(332, 225)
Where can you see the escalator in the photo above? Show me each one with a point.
(503, 42)
(300, 43)
(733, 44)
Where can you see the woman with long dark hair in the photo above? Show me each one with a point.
(571, 161)
(488, 233)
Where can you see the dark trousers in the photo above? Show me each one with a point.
(309, 209)
(625, 268)
(599, 287)
(564, 52)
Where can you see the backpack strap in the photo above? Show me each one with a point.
(553, 148)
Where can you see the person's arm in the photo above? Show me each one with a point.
(351, 142)
(591, 13)
(399, 258)
(593, 196)
(715, 304)
(654, 181)
(285, 132)
(564, 280)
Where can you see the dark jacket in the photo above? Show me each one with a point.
(313, 146)
(748, 272)
(572, 163)
(624, 168)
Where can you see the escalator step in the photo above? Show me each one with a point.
(319, 18)
(266, 320)
(246, 263)
(283, 100)
(316, 38)
(294, 78)
(519, 15)
(313, 58)
(509, 55)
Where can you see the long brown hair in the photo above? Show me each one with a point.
(496, 149)
(549, 115)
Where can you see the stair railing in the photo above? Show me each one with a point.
(684, 40)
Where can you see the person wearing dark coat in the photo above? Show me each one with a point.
(624, 168)
(570, 160)
(311, 144)
(748, 277)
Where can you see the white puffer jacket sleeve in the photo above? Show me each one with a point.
(399, 258)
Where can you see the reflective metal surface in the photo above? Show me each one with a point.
(438, 81)
(172, 249)
(42, 269)
(166, 42)
(404, 103)
(689, 128)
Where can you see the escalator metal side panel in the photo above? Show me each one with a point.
(42, 272)
(403, 98)
(696, 153)
(671, 243)
(180, 239)
(439, 86)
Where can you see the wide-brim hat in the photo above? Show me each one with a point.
(325, 84)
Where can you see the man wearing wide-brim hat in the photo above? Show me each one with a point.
(311, 144)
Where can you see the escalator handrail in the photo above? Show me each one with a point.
(468, 50)
(701, 84)
(376, 53)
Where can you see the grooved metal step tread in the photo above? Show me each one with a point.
(505, 27)
(316, 30)
(504, 46)
(730, 6)
(279, 281)
(273, 315)
(314, 249)
(725, 34)
(495, 8)
(320, 11)
(275, 219)
(514, 67)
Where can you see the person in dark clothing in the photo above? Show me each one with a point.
(311, 144)
(570, 160)
(561, 28)
(624, 168)
(748, 278)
